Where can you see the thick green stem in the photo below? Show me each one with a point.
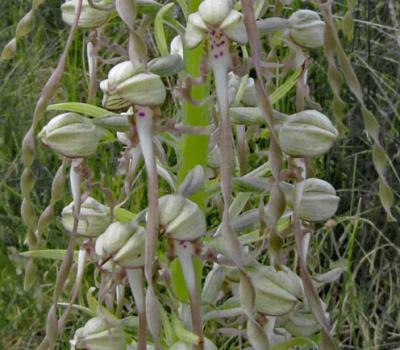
(194, 148)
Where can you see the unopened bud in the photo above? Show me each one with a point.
(166, 65)
(181, 218)
(319, 201)
(277, 292)
(94, 218)
(71, 135)
(307, 134)
(99, 334)
(127, 85)
(306, 28)
(123, 242)
(89, 18)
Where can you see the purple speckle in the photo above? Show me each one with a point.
(215, 56)
(212, 46)
(142, 114)
(221, 53)
(222, 42)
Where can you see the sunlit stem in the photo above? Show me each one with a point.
(136, 283)
(184, 250)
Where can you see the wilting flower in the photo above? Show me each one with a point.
(307, 134)
(306, 28)
(94, 218)
(89, 18)
(127, 85)
(319, 201)
(71, 135)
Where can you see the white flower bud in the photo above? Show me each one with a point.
(94, 218)
(319, 201)
(277, 292)
(89, 18)
(71, 135)
(306, 28)
(208, 345)
(181, 218)
(127, 85)
(99, 334)
(307, 134)
(124, 243)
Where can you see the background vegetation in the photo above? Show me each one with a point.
(365, 303)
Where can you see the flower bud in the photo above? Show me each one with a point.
(89, 18)
(301, 322)
(307, 134)
(127, 85)
(166, 65)
(277, 292)
(94, 218)
(99, 334)
(181, 218)
(71, 135)
(306, 28)
(124, 243)
(249, 94)
(319, 201)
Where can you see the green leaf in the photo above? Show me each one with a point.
(123, 215)
(159, 33)
(178, 283)
(282, 90)
(54, 254)
(81, 108)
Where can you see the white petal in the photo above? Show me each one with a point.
(194, 34)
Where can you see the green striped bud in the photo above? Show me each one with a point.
(99, 334)
(122, 243)
(306, 28)
(71, 135)
(127, 85)
(319, 201)
(181, 218)
(277, 292)
(89, 18)
(307, 134)
(94, 218)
